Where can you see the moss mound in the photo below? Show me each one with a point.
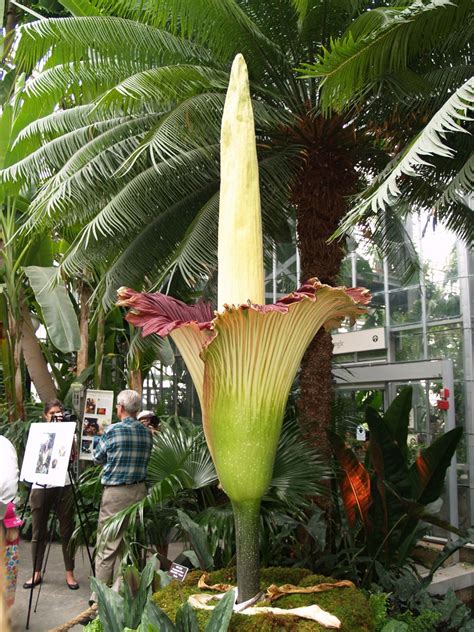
(350, 605)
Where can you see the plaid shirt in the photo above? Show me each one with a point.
(124, 449)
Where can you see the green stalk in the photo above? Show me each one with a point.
(247, 527)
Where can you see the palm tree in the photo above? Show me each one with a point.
(432, 168)
(120, 129)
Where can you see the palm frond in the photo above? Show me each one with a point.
(153, 250)
(89, 173)
(44, 162)
(237, 33)
(96, 37)
(389, 186)
(382, 41)
(163, 85)
(151, 348)
(156, 187)
(460, 187)
(194, 251)
(59, 122)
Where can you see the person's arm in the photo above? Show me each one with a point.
(100, 449)
(8, 474)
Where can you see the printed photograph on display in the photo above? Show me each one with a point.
(47, 453)
(97, 416)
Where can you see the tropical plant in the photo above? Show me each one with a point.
(244, 360)
(389, 504)
(121, 123)
(422, 54)
(409, 605)
(134, 610)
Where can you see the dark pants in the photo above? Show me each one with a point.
(42, 501)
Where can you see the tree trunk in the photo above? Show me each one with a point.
(135, 380)
(14, 332)
(10, 24)
(85, 294)
(320, 195)
(35, 360)
(99, 348)
(7, 371)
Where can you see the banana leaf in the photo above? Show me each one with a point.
(396, 418)
(428, 472)
(354, 485)
(58, 312)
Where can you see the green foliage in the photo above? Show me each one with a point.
(410, 603)
(58, 311)
(394, 182)
(133, 610)
(183, 494)
(94, 626)
(390, 496)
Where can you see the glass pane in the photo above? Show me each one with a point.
(408, 345)
(405, 306)
(443, 299)
(447, 342)
(285, 276)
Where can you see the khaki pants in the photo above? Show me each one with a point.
(114, 499)
(42, 501)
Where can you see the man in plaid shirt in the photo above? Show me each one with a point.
(124, 450)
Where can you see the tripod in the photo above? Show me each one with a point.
(83, 521)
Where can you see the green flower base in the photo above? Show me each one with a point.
(350, 605)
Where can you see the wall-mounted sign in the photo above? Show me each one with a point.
(363, 340)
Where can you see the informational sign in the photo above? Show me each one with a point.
(362, 340)
(176, 571)
(361, 433)
(47, 453)
(97, 416)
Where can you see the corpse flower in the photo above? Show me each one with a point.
(243, 358)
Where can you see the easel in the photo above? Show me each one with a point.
(83, 520)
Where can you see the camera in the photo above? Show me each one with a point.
(66, 415)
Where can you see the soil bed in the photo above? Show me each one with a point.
(350, 605)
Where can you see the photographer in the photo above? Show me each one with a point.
(42, 501)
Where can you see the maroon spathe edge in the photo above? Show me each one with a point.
(161, 314)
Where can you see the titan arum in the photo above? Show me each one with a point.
(244, 357)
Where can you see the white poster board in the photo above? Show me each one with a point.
(47, 453)
(97, 416)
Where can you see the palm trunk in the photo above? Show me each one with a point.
(10, 24)
(85, 294)
(135, 380)
(99, 348)
(320, 196)
(7, 363)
